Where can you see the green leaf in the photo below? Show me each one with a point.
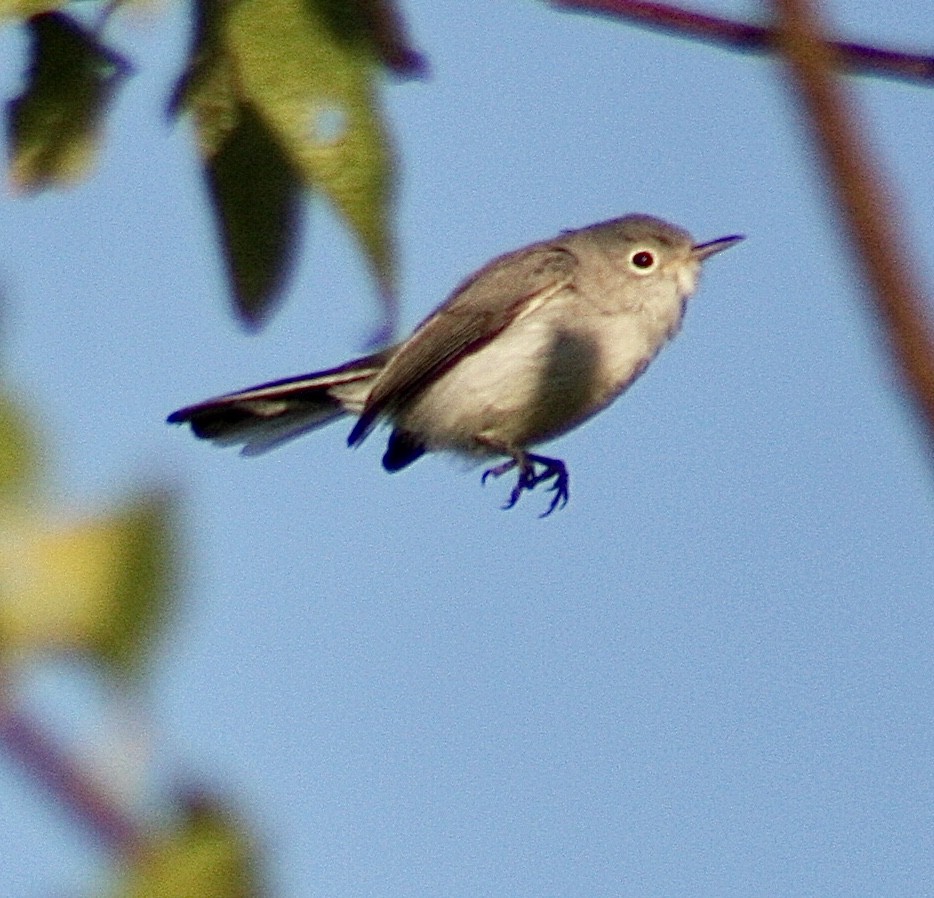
(258, 205)
(319, 96)
(257, 202)
(23, 9)
(255, 191)
(208, 856)
(19, 453)
(99, 586)
(143, 583)
(208, 86)
(277, 76)
(55, 124)
(378, 23)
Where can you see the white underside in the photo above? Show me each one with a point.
(540, 377)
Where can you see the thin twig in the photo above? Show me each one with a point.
(104, 16)
(69, 784)
(864, 200)
(746, 38)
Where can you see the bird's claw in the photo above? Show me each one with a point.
(552, 469)
(498, 470)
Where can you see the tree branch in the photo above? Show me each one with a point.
(67, 782)
(745, 38)
(864, 200)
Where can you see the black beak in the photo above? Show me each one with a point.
(703, 251)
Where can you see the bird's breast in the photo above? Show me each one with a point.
(538, 378)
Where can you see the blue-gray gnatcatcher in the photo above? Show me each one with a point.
(531, 345)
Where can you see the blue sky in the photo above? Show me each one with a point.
(710, 674)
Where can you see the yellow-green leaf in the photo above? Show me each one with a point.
(99, 586)
(208, 86)
(208, 856)
(55, 124)
(256, 193)
(378, 23)
(23, 9)
(319, 96)
(19, 452)
(279, 71)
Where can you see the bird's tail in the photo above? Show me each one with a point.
(262, 417)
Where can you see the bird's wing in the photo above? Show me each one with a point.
(504, 290)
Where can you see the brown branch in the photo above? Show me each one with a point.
(67, 782)
(745, 38)
(864, 201)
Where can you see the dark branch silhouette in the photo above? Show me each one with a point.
(864, 200)
(745, 38)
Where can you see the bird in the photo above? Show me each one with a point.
(525, 349)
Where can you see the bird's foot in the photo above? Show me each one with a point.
(529, 477)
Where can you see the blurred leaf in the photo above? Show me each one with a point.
(23, 9)
(379, 24)
(258, 206)
(272, 77)
(19, 455)
(257, 199)
(55, 123)
(318, 95)
(256, 192)
(209, 856)
(208, 87)
(101, 586)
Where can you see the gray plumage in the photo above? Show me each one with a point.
(531, 345)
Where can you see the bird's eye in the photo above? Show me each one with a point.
(643, 260)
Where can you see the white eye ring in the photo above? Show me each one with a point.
(643, 261)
